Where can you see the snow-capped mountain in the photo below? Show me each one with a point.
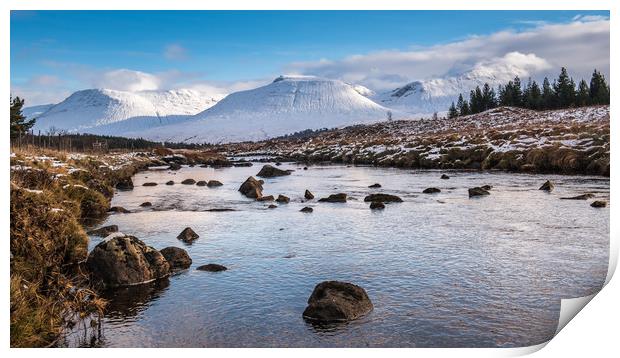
(289, 104)
(435, 95)
(36, 111)
(94, 110)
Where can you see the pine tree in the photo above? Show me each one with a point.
(19, 124)
(565, 89)
(517, 93)
(549, 99)
(532, 97)
(453, 112)
(599, 90)
(462, 106)
(583, 94)
(488, 97)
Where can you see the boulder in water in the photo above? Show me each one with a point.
(283, 199)
(150, 184)
(201, 183)
(443, 176)
(599, 204)
(146, 204)
(272, 206)
(265, 198)
(547, 186)
(188, 182)
(477, 191)
(579, 197)
(124, 261)
(335, 301)
(375, 186)
(308, 195)
(269, 171)
(214, 183)
(170, 182)
(384, 198)
(119, 209)
(212, 268)
(431, 191)
(103, 231)
(175, 166)
(188, 235)
(307, 209)
(177, 258)
(335, 198)
(251, 188)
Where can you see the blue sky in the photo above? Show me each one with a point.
(61, 51)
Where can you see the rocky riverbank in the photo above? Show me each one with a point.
(570, 141)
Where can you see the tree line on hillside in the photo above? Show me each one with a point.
(562, 93)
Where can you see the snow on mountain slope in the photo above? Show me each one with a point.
(435, 95)
(86, 110)
(35, 111)
(287, 105)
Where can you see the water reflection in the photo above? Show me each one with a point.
(127, 303)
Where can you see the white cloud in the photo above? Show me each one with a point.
(580, 46)
(127, 80)
(175, 52)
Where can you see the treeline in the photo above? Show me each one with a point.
(562, 93)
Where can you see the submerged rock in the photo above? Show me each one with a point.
(269, 171)
(431, 191)
(308, 195)
(119, 209)
(242, 164)
(214, 183)
(212, 268)
(580, 197)
(103, 231)
(334, 301)
(335, 198)
(146, 204)
(188, 235)
(125, 184)
(170, 182)
(307, 209)
(149, 184)
(377, 205)
(125, 260)
(272, 206)
(477, 191)
(251, 188)
(547, 186)
(188, 182)
(599, 204)
(283, 199)
(486, 187)
(177, 258)
(265, 198)
(384, 198)
(201, 183)
(375, 186)
(443, 176)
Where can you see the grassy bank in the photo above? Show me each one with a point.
(53, 194)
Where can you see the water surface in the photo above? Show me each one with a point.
(442, 270)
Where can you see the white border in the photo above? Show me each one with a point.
(595, 329)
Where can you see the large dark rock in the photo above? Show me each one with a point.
(308, 195)
(599, 204)
(104, 231)
(212, 268)
(272, 206)
(188, 235)
(269, 171)
(335, 198)
(201, 183)
(149, 184)
(119, 209)
(214, 183)
(443, 176)
(375, 186)
(377, 205)
(283, 199)
(307, 209)
(547, 186)
(177, 258)
(477, 191)
(170, 182)
(188, 182)
(146, 204)
(431, 191)
(265, 198)
(125, 184)
(384, 198)
(124, 261)
(334, 301)
(251, 188)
